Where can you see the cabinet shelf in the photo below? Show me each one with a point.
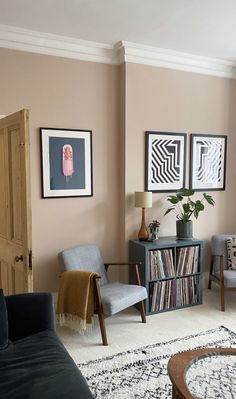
(171, 271)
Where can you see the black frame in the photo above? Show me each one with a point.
(163, 187)
(208, 186)
(45, 133)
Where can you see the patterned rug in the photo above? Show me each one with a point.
(142, 373)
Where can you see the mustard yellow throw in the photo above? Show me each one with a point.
(75, 304)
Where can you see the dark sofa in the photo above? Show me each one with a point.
(34, 364)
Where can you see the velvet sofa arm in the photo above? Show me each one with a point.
(29, 314)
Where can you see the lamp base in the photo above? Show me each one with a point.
(143, 238)
(143, 234)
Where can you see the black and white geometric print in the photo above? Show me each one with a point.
(208, 162)
(165, 161)
(142, 373)
(209, 157)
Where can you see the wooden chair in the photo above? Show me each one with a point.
(219, 270)
(110, 298)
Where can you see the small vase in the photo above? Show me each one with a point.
(154, 233)
(184, 230)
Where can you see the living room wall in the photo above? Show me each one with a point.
(67, 93)
(118, 103)
(166, 100)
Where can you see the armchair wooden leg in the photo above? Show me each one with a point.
(142, 311)
(102, 327)
(210, 273)
(222, 291)
(100, 312)
(209, 283)
(222, 297)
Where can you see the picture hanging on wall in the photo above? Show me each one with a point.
(66, 163)
(164, 161)
(208, 162)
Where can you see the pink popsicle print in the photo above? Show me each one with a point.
(67, 161)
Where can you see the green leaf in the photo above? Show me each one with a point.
(199, 206)
(209, 199)
(186, 207)
(174, 200)
(185, 192)
(195, 213)
(169, 210)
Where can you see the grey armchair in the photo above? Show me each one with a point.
(219, 271)
(110, 298)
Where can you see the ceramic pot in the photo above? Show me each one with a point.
(184, 230)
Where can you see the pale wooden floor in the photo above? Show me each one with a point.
(125, 330)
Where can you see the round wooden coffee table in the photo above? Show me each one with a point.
(201, 373)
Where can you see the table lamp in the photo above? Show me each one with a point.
(143, 200)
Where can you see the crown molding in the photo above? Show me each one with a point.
(148, 55)
(56, 45)
(69, 47)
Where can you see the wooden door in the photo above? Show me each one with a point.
(15, 204)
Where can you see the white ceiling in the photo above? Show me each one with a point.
(200, 27)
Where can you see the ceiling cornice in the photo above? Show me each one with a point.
(141, 54)
(56, 45)
(123, 51)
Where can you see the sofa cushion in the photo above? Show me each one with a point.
(3, 322)
(39, 366)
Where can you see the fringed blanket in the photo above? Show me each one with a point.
(75, 304)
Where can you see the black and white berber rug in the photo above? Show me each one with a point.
(142, 373)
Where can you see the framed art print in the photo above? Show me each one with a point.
(165, 158)
(66, 163)
(208, 162)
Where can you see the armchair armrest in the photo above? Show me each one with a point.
(135, 264)
(121, 264)
(29, 314)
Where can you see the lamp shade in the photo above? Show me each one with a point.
(143, 199)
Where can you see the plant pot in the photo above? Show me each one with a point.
(184, 230)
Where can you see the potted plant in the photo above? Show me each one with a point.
(184, 208)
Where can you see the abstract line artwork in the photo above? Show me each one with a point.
(165, 161)
(208, 162)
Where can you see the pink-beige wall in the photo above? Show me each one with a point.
(66, 93)
(118, 104)
(165, 100)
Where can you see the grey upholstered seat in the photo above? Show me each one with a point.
(219, 272)
(117, 297)
(114, 296)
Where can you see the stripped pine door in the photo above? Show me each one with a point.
(15, 204)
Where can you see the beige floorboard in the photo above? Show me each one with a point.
(125, 330)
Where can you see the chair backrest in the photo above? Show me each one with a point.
(219, 247)
(84, 257)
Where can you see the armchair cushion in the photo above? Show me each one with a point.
(229, 278)
(84, 257)
(231, 250)
(118, 296)
(3, 322)
(218, 247)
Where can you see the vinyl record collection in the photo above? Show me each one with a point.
(171, 289)
(187, 260)
(187, 291)
(161, 264)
